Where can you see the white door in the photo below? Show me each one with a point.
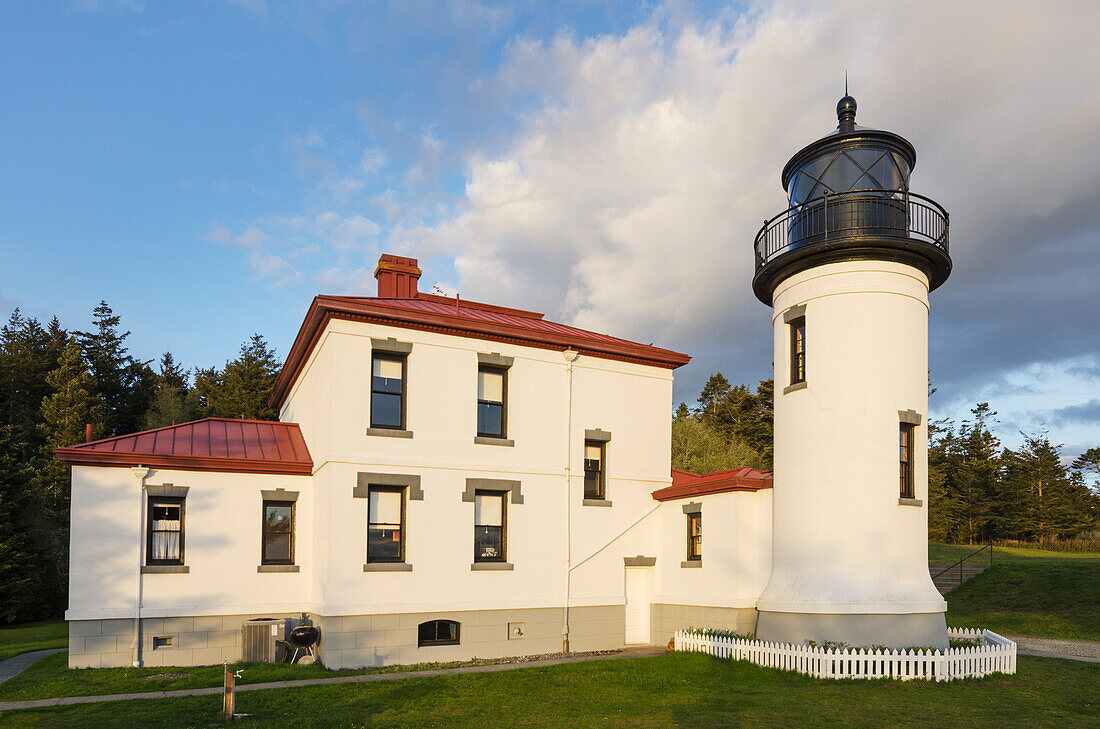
(637, 604)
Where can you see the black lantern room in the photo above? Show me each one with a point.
(849, 199)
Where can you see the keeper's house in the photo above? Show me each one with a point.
(448, 480)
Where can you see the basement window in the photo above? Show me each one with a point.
(438, 632)
(161, 642)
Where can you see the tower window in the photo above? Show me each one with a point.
(905, 443)
(798, 350)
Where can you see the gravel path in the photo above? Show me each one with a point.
(1078, 650)
(17, 664)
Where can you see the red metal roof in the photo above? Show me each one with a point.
(462, 318)
(213, 444)
(686, 484)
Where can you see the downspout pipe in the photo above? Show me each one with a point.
(140, 473)
(570, 357)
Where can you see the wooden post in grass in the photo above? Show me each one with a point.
(230, 681)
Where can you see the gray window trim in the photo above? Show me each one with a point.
(486, 440)
(167, 490)
(364, 481)
(693, 507)
(279, 494)
(390, 345)
(796, 386)
(902, 501)
(639, 561)
(689, 563)
(603, 436)
(595, 502)
(165, 569)
(493, 484)
(387, 567)
(390, 432)
(909, 417)
(278, 568)
(491, 567)
(494, 359)
(795, 312)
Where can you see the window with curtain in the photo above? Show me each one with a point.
(593, 470)
(491, 385)
(165, 531)
(386, 524)
(387, 391)
(278, 532)
(489, 523)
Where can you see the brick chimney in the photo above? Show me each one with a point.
(397, 277)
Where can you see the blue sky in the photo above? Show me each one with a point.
(208, 167)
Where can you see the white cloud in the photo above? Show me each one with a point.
(251, 238)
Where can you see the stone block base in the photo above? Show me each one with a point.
(893, 631)
(666, 619)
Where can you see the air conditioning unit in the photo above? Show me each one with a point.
(259, 639)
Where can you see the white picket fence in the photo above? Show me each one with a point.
(996, 654)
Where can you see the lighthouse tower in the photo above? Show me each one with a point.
(847, 270)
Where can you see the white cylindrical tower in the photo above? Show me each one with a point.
(847, 270)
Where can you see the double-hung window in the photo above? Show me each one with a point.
(387, 391)
(905, 458)
(594, 469)
(278, 533)
(386, 524)
(798, 350)
(695, 537)
(490, 522)
(164, 544)
(492, 415)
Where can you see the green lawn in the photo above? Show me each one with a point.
(16, 639)
(1027, 592)
(674, 690)
(52, 677)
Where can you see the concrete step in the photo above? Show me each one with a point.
(950, 579)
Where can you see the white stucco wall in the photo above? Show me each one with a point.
(842, 543)
(222, 516)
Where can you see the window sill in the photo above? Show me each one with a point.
(595, 502)
(278, 568)
(390, 432)
(691, 563)
(486, 440)
(910, 502)
(491, 566)
(795, 387)
(165, 569)
(387, 567)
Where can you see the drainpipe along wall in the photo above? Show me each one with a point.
(140, 473)
(570, 357)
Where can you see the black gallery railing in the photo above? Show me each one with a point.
(897, 214)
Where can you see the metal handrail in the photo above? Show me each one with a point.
(926, 221)
(960, 562)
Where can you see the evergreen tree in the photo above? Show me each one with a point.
(1088, 463)
(1045, 502)
(122, 384)
(172, 401)
(698, 448)
(242, 389)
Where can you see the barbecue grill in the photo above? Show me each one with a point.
(302, 639)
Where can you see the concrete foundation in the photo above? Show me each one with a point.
(893, 631)
(349, 641)
(665, 619)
